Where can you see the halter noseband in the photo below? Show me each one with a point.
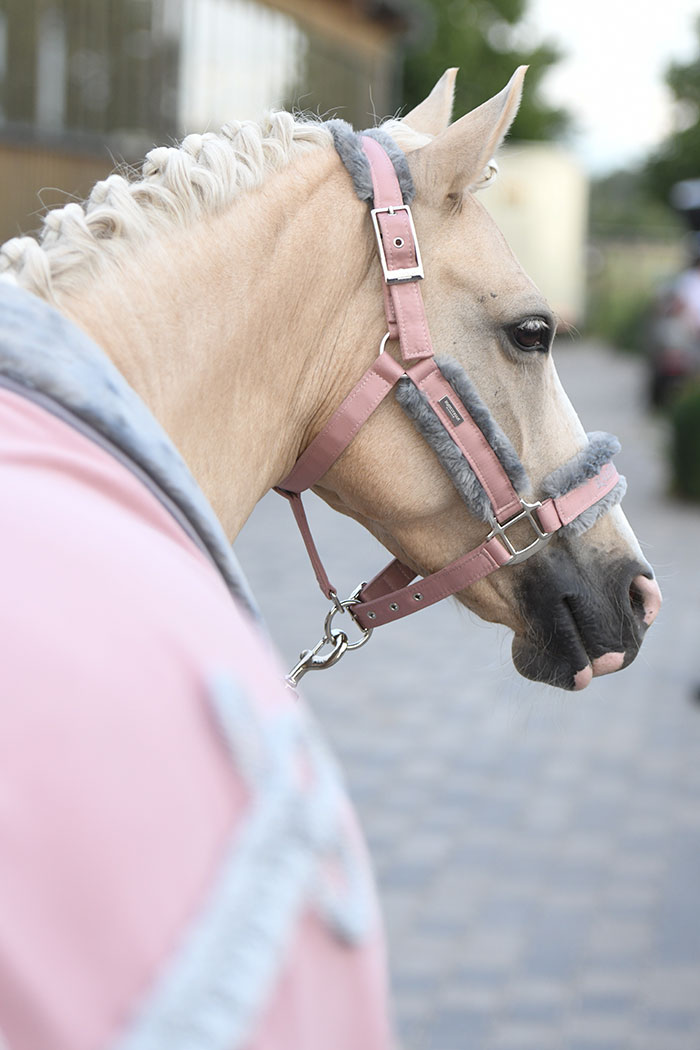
(589, 481)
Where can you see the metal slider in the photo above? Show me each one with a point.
(409, 273)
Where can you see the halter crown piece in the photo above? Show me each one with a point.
(480, 460)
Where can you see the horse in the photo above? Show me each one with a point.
(179, 345)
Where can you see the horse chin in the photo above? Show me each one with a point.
(566, 668)
(583, 620)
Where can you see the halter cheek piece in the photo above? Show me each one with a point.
(448, 412)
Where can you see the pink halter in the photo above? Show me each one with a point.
(392, 593)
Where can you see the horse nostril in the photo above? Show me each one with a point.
(645, 599)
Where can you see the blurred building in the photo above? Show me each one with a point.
(85, 84)
(540, 201)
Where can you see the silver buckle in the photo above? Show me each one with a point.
(409, 273)
(526, 514)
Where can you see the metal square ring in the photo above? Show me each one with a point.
(528, 514)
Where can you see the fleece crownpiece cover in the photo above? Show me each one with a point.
(348, 144)
(586, 464)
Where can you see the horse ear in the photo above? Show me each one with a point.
(432, 115)
(457, 158)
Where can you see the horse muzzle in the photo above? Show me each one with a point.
(584, 617)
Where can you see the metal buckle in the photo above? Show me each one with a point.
(409, 273)
(526, 514)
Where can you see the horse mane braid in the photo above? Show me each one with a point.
(178, 184)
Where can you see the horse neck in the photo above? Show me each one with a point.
(231, 329)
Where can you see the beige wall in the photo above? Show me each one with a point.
(540, 201)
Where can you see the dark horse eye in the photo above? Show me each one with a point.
(531, 334)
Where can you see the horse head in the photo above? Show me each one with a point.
(580, 607)
(237, 287)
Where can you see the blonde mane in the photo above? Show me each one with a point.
(178, 185)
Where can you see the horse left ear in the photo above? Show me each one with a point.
(457, 158)
(432, 115)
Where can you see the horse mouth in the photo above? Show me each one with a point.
(564, 661)
(577, 630)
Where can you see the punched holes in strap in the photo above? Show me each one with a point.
(457, 576)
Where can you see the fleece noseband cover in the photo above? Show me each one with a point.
(586, 464)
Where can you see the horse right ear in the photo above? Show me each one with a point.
(432, 115)
(456, 159)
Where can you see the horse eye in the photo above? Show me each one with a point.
(531, 334)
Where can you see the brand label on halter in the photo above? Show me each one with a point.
(450, 411)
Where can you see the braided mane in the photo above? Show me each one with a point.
(178, 184)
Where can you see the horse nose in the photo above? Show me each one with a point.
(645, 598)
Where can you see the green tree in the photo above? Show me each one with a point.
(487, 40)
(678, 157)
(622, 206)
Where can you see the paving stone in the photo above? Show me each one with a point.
(524, 1037)
(596, 1044)
(605, 1027)
(457, 1028)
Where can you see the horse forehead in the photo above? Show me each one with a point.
(467, 243)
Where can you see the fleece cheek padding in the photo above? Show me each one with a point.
(586, 464)
(416, 405)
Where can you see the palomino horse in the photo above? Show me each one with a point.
(181, 864)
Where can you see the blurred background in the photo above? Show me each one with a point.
(538, 854)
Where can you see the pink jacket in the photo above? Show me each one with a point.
(179, 866)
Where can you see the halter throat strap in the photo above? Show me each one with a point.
(392, 594)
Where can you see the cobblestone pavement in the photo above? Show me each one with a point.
(538, 852)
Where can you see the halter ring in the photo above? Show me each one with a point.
(520, 554)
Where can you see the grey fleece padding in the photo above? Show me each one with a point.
(586, 464)
(349, 148)
(416, 405)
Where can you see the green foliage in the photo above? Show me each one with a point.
(620, 320)
(636, 246)
(679, 156)
(685, 450)
(486, 40)
(622, 205)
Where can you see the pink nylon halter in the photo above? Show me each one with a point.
(392, 593)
